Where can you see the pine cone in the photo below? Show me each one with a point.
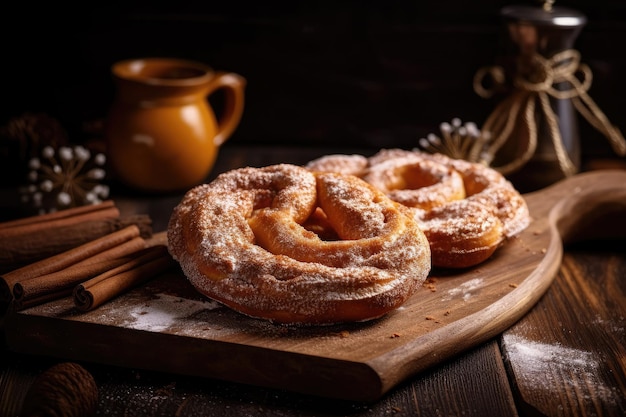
(23, 138)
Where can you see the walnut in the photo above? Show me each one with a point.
(64, 390)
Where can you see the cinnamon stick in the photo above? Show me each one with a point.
(30, 302)
(70, 212)
(20, 250)
(104, 210)
(67, 278)
(108, 285)
(64, 260)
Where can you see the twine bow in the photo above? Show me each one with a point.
(538, 85)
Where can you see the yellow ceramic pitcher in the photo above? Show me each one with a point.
(162, 134)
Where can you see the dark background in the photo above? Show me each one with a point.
(368, 73)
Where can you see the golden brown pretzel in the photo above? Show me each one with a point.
(466, 210)
(241, 240)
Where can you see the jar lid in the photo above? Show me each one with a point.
(556, 16)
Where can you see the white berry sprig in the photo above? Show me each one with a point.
(64, 178)
(458, 140)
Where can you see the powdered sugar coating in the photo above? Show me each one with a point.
(240, 241)
(489, 188)
(420, 184)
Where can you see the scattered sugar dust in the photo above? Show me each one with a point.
(547, 367)
(465, 289)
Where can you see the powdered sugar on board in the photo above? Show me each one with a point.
(165, 313)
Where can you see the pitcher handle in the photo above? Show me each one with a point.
(233, 86)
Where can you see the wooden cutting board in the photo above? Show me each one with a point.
(167, 326)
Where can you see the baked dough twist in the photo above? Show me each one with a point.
(466, 210)
(248, 240)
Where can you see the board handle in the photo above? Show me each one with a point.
(594, 207)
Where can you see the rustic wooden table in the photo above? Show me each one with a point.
(564, 358)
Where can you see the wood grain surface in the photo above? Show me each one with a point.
(566, 357)
(166, 326)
